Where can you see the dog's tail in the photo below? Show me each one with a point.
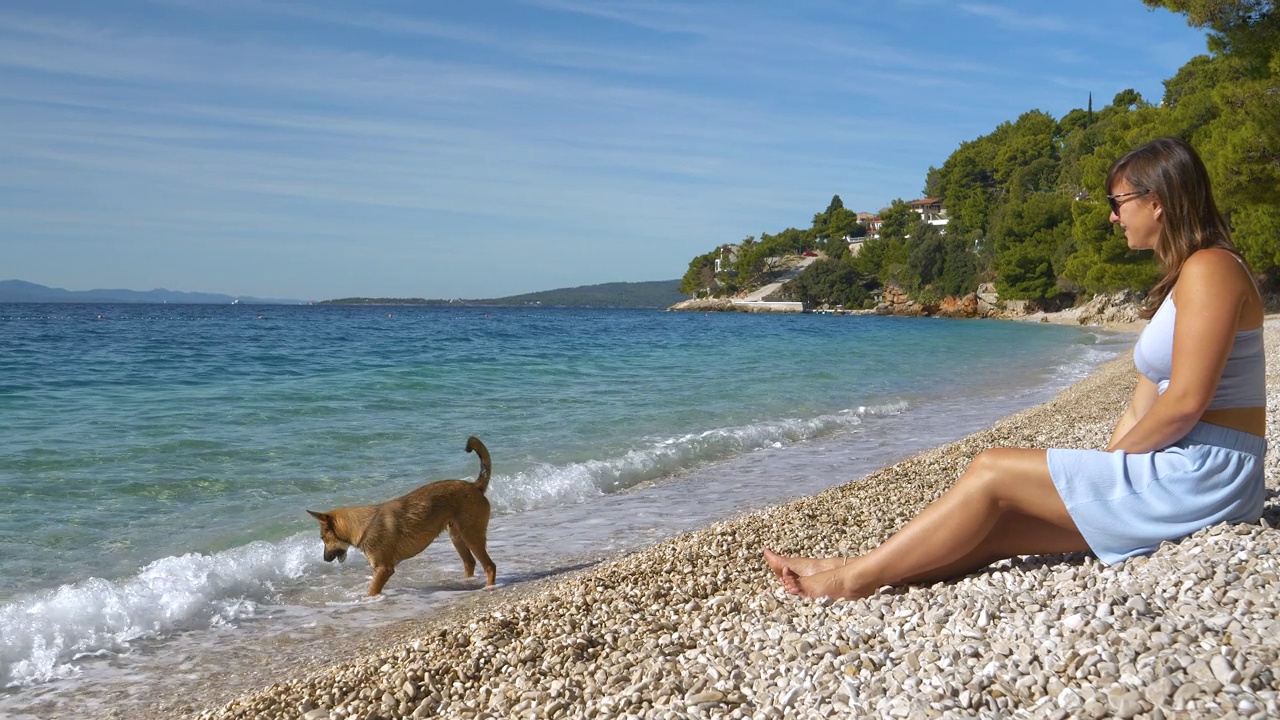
(474, 445)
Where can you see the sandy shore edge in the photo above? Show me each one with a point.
(696, 626)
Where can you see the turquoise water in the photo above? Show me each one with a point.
(157, 459)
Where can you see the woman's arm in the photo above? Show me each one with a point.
(1210, 293)
(1144, 396)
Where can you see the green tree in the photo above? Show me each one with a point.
(966, 182)
(1102, 261)
(959, 267)
(898, 220)
(871, 258)
(1228, 105)
(927, 255)
(1026, 273)
(829, 282)
(1257, 236)
(842, 224)
(1029, 140)
(756, 260)
(700, 275)
(1189, 101)
(1076, 119)
(1029, 236)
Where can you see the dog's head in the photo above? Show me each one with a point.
(335, 548)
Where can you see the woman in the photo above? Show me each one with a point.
(1185, 454)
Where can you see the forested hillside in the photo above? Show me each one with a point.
(1026, 202)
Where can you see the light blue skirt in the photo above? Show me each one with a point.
(1127, 504)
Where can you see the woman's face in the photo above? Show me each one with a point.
(1137, 212)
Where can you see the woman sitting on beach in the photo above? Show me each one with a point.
(1186, 453)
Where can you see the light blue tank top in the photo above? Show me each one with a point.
(1244, 379)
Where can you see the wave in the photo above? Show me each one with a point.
(42, 636)
(550, 485)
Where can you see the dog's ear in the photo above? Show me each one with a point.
(322, 517)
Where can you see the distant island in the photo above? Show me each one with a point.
(20, 291)
(652, 294)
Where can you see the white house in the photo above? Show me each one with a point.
(931, 210)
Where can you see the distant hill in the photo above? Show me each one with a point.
(652, 294)
(20, 291)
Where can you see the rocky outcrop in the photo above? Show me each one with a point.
(895, 301)
(1112, 309)
(969, 306)
(1118, 307)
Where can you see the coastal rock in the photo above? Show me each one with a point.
(895, 301)
(1118, 307)
(970, 306)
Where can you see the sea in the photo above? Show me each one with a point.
(157, 461)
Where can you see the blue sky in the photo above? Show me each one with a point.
(323, 149)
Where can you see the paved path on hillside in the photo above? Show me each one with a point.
(769, 289)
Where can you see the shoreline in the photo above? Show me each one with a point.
(1109, 312)
(696, 625)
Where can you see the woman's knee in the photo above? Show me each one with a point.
(978, 482)
(989, 465)
(1005, 475)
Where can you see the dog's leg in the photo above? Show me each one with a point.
(474, 537)
(490, 570)
(381, 575)
(468, 561)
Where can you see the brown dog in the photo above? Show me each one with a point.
(399, 529)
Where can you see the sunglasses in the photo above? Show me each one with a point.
(1114, 200)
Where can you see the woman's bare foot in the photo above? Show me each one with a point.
(801, 566)
(832, 583)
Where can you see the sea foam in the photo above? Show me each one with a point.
(548, 485)
(41, 636)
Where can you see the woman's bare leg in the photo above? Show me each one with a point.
(1005, 504)
(1004, 541)
(1008, 538)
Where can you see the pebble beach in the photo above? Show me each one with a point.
(698, 627)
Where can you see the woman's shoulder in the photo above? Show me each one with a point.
(1214, 255)
(1216, 275)
(1214, 265)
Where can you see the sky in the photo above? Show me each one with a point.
(320, 149)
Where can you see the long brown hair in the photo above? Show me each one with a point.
(1171, 169)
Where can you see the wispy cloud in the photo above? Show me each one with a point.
(1012, 19)
(638, 134)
